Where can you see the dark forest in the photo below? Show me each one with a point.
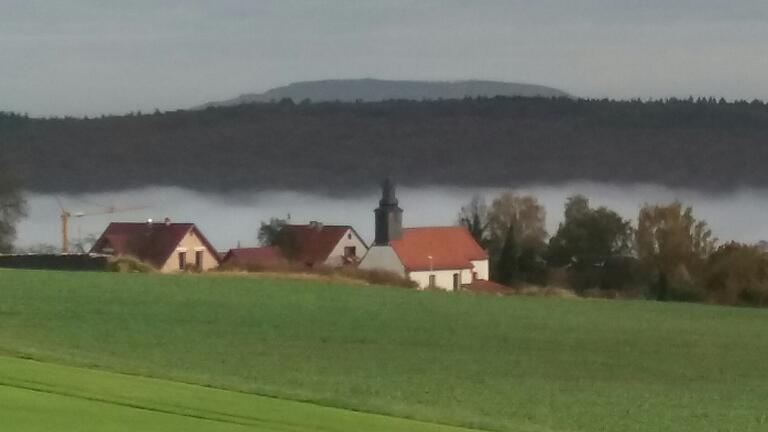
(705, 144)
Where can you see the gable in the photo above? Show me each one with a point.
(311, 244)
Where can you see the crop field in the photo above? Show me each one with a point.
(506, 364)
(43, 397)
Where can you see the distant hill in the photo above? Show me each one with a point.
(374, 90)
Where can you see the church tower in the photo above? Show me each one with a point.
(389, 217)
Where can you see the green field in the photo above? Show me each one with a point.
(43, 397)
(511, 364)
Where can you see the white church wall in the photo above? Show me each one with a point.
(382, 258)
(481, 268)
(443, 278)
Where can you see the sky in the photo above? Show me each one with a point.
(91, 57)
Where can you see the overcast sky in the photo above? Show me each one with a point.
(86, 57)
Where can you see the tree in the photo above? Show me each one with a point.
(516, 234)
(507, 266)
(84, 244)
(269, 232)
(521, 212)
(737, 274)
(587, 241)
(13, 207)
(474, 216)
(674, 246)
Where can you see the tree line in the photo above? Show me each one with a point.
(333, 147)
(668, 254)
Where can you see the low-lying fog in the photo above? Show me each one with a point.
(229, 219)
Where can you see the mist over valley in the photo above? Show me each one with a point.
(231, 218)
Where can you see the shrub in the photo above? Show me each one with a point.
(129, 264)
(376, 277)
(737, 274)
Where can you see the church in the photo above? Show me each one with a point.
(444, 257)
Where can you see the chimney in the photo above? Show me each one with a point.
(316, 225)
(389, 217)
(167, 221)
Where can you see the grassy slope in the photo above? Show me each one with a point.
(38, 397)
(507, 364)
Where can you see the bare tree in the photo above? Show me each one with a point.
(474, 216)
(516, 239)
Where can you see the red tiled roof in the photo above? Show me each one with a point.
(152, 243)
(450, 248)
(312, 244)
(266, 255)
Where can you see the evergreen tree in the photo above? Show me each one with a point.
(507, 268)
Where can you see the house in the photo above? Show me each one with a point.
(318, 244)
(254, 257)
(169, 247)
(445, 257)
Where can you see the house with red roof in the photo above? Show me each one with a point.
(254, 257)
(445, 257)
(319, 244)
(169, 247)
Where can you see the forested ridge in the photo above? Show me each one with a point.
(704, 144)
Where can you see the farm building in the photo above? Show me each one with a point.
(169, 247)
(318, 244)
(438, 257)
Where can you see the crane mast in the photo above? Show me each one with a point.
(65, 231)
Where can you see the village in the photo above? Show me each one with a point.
(432, 257)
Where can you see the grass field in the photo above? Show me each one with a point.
(43, 397)
(511, 364)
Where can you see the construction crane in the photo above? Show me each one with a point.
(66, 215)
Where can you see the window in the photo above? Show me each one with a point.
(432, 281)
(182, 260)
(456, 281)
(350, 252)
(199, 260)
(349, 236)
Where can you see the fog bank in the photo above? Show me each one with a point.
(229, 219)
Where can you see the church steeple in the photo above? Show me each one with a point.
(389, 217)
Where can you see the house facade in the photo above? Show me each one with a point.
(169, 247)
(316, 244)
(446, 257)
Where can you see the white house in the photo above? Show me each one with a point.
(445, 257)
(319, 244)
(169, 247)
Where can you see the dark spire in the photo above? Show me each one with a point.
(389, 217)
(388, 197)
